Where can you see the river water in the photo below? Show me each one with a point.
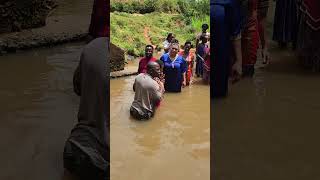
(175, 144)
(38, 110)
(267, 128)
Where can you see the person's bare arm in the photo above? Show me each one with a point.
(237, 66)
(184, 83)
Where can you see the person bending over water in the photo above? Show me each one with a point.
(175, 68)
(148, 93)
(86, 151)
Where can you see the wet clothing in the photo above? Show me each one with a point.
(189, 58)
(206, 67)
(201, 53)
(86, 152)
(100, 19)
(250, 39)
(284, 26)
(263, 7)
(226, 22)
(173, 70)
(143, 64)
(308, 37)
(147, 95)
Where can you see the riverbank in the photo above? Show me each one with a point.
(58, 30)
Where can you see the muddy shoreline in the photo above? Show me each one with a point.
(58, 30)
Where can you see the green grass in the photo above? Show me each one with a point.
(127, 30)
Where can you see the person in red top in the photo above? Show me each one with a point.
(145, 60)
(100, 19)
(189, 57)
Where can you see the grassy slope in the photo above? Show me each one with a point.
(127, 30)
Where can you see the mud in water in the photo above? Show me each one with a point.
(175, 144)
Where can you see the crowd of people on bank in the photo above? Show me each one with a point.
(239, 29)
(174, 70)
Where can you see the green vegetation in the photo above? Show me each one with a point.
(136, 23)
(185, 7)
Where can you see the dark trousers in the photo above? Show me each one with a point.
(135, 114)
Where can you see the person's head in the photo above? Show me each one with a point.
(149, 51)
(205, 27)
(204, 38)
(160, 64)
(153, 68)
(174, 49)
(187, 46)
(170, 37)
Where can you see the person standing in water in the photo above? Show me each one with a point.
(189, 58)
(263, 6)
(100, 20)
(225, 15)
(145, 60)
(148, 93)
(285, 19)
(86, 151)
(204, 32)
(175, 68)
(201, 54)
(167, 42)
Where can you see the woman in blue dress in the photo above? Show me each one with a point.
(225, 16)
(175, 68)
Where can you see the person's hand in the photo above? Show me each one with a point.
(161, 76)
(236, 72)
(184, 84)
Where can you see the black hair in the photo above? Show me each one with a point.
(205, 26)
(160, 63)
(170, 34)
(175, 41)
(188, 42)
(149, 46)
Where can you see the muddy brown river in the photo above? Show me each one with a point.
(267, 128)
(175, 144)
(37, 111)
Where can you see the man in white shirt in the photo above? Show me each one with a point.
(148, 93)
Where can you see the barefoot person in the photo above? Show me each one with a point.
(86, 151)
(148, 93)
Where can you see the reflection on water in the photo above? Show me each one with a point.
(175, 144)
(37, 111)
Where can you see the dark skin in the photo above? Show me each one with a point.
(204, 30)
(153, 69)
(149, 52)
